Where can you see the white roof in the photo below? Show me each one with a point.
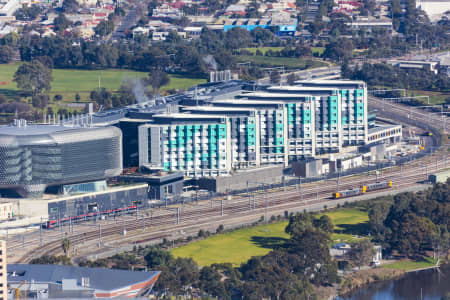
(272, 95)
(192, 28)
(185, 116)
(300, 88)
(329, 81)
(246, 101)
(215, 108)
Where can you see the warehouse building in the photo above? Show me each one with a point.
(54, 281)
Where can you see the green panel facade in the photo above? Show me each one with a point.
(306, 116)
(332, 110)
(250, 131)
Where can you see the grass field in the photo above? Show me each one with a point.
(435, 97)
(263, 49)
(288, 62)
(408, 265)
(68, 82)
(240, 245)
(318, 50)
(348, 224)
(235, 247)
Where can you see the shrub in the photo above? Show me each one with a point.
(220, 228)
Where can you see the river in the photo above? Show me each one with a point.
(430, 284)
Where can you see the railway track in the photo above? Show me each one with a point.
(164, 223)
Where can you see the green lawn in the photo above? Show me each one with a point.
(314, 50)
(408, 265)
(240, 245)
(348, 223)
(68, 82)
(235, 247)
(318, 50)
(288, 62)
(263, 49)
(435, 97)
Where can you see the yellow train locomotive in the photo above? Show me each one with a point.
(362, 190)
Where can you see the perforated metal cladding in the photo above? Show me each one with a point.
(30, 163)
(10, 165)
(92, 159)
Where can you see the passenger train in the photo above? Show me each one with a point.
(111, 212)
(362, 190)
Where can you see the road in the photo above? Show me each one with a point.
(316, 73)
(434, 119)
(126, 23)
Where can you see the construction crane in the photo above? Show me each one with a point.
(17, 290)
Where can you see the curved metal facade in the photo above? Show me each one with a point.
(34, 157)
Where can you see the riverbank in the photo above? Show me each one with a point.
(429, 283)
(360, 279)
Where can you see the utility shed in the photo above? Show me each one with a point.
(440, 177)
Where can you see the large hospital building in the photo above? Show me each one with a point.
(255, 127)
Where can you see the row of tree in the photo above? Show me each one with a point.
(386, 75)
(62, 52)
(413, 223)
(291, 271)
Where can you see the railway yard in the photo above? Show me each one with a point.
(106, 236)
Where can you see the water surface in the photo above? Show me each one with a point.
(427, 285)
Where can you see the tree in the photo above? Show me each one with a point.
(324, 223)
(362, 252)
(61, 23)
(40, 101)
(261, 35)
(301, 50)
(275, 77)
(128, 91)
(33, 77)
(101, 97)
(27, 13)
(70, 6)
(3, 99)
(156, 257)
(104, 28)
(66, 244)
(237, 37)
(310, 245)
(11, 39)
(157, 79)
(6, 54)
(340, 49)
(377, 215)
(57, 97)
(220, 229)
(291, 78)
(210, 282)
(51, 260)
